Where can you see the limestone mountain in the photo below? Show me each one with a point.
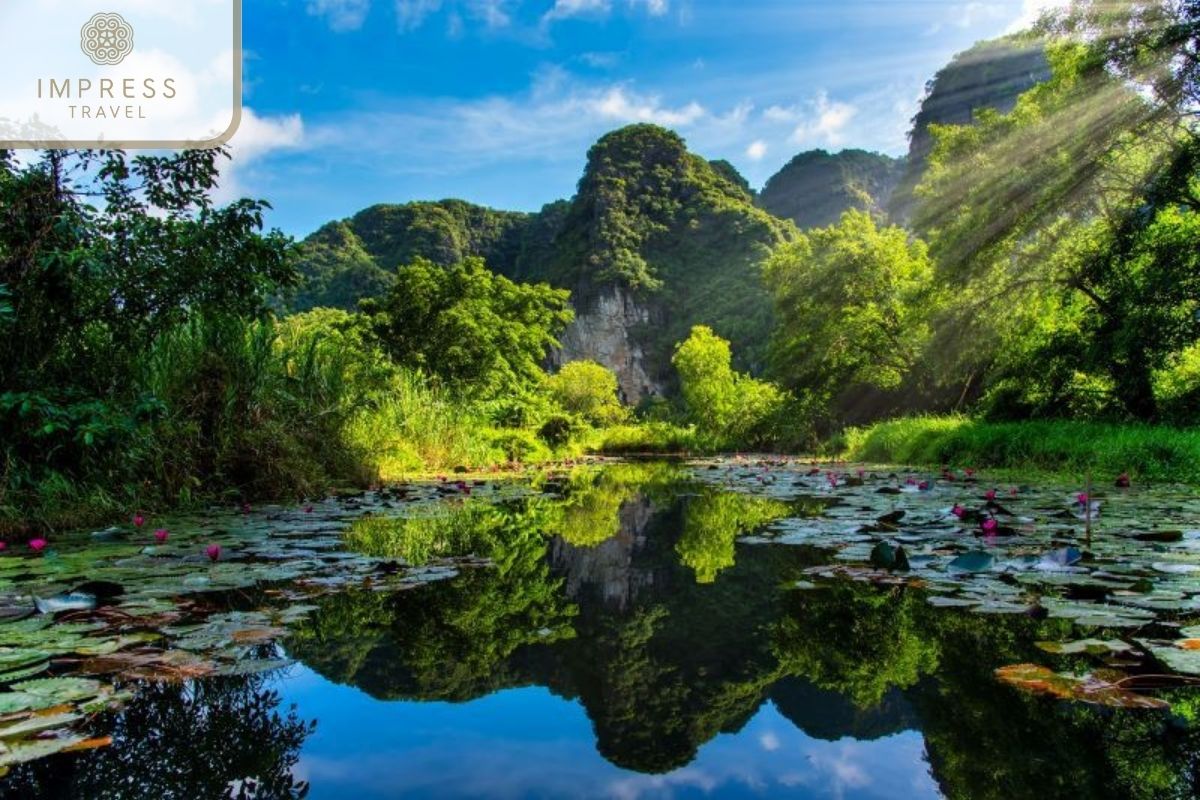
(991, 74)
(816, 187)
(657, 240)
(345, 261)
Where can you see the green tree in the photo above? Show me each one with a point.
(850, 304)
(480, 334)
(85, 290)
(589, 390)
(1083, 192)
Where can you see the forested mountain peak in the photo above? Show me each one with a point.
(816, 187)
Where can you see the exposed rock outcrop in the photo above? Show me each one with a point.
(606, 332)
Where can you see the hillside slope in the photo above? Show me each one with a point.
(816, 187)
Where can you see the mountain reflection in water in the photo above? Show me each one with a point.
(625, 644)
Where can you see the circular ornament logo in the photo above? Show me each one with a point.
(106, 39)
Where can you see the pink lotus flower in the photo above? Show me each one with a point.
(990, 495)
(989, 525)
(213, 551)
(38, 545)
(138, 520)
(1082, 498)
(160, 535)
(958, 511)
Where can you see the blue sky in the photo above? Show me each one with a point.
(354, 102)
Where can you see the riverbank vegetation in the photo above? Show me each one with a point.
(1042, 288)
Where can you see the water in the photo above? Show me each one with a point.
(635, 640)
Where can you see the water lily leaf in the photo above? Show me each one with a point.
(75, 601)
(1094, 647)
(973, 561)
(1085, 688)
(12, 658)
(12, 702)
(61, 690)
(33, 749)
(38, 723)
(24, 672)
(1178, 656)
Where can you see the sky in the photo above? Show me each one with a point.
(348, 103)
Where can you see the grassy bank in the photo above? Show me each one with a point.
(1146, 452)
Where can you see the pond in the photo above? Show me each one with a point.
(720, 628)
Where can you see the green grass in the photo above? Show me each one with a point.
(648, 437)
(1146, 452)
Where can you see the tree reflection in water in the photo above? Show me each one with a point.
(633, 596)
(216, 738)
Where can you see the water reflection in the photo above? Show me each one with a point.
(625, 644)
(634, 599)
(223, 737)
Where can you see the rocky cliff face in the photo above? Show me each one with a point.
(605, 332)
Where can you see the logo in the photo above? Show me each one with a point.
(106, 39)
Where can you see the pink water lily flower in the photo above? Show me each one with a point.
(989, 525)
(245, 508)
(990, 495)
(38, 545)
(923, 486)
(213, 551)
(1082, 498)
(958, 511)
(138, 520)
(308, 509)
(160, 535)
(3, 546)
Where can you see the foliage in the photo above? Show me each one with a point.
(815, 188)
(1083, 192)
(89, 292)
(724, 404)
(184, 740)
(851, 304)
(474, 331)
(589, 390)
(712, 522)
(354, 259)
(1076, 448)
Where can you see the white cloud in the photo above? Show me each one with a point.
(824, 122)
(566, 9)
(756, 150)
(411, 14)
(655, 8)
(256, 137)
(343, 15)
(620, 105)
(1031, 10)
(968, 15)
(491, 13)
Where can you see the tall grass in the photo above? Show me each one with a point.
(1149, 452)
(412, 428)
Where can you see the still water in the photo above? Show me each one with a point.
(630, 636)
